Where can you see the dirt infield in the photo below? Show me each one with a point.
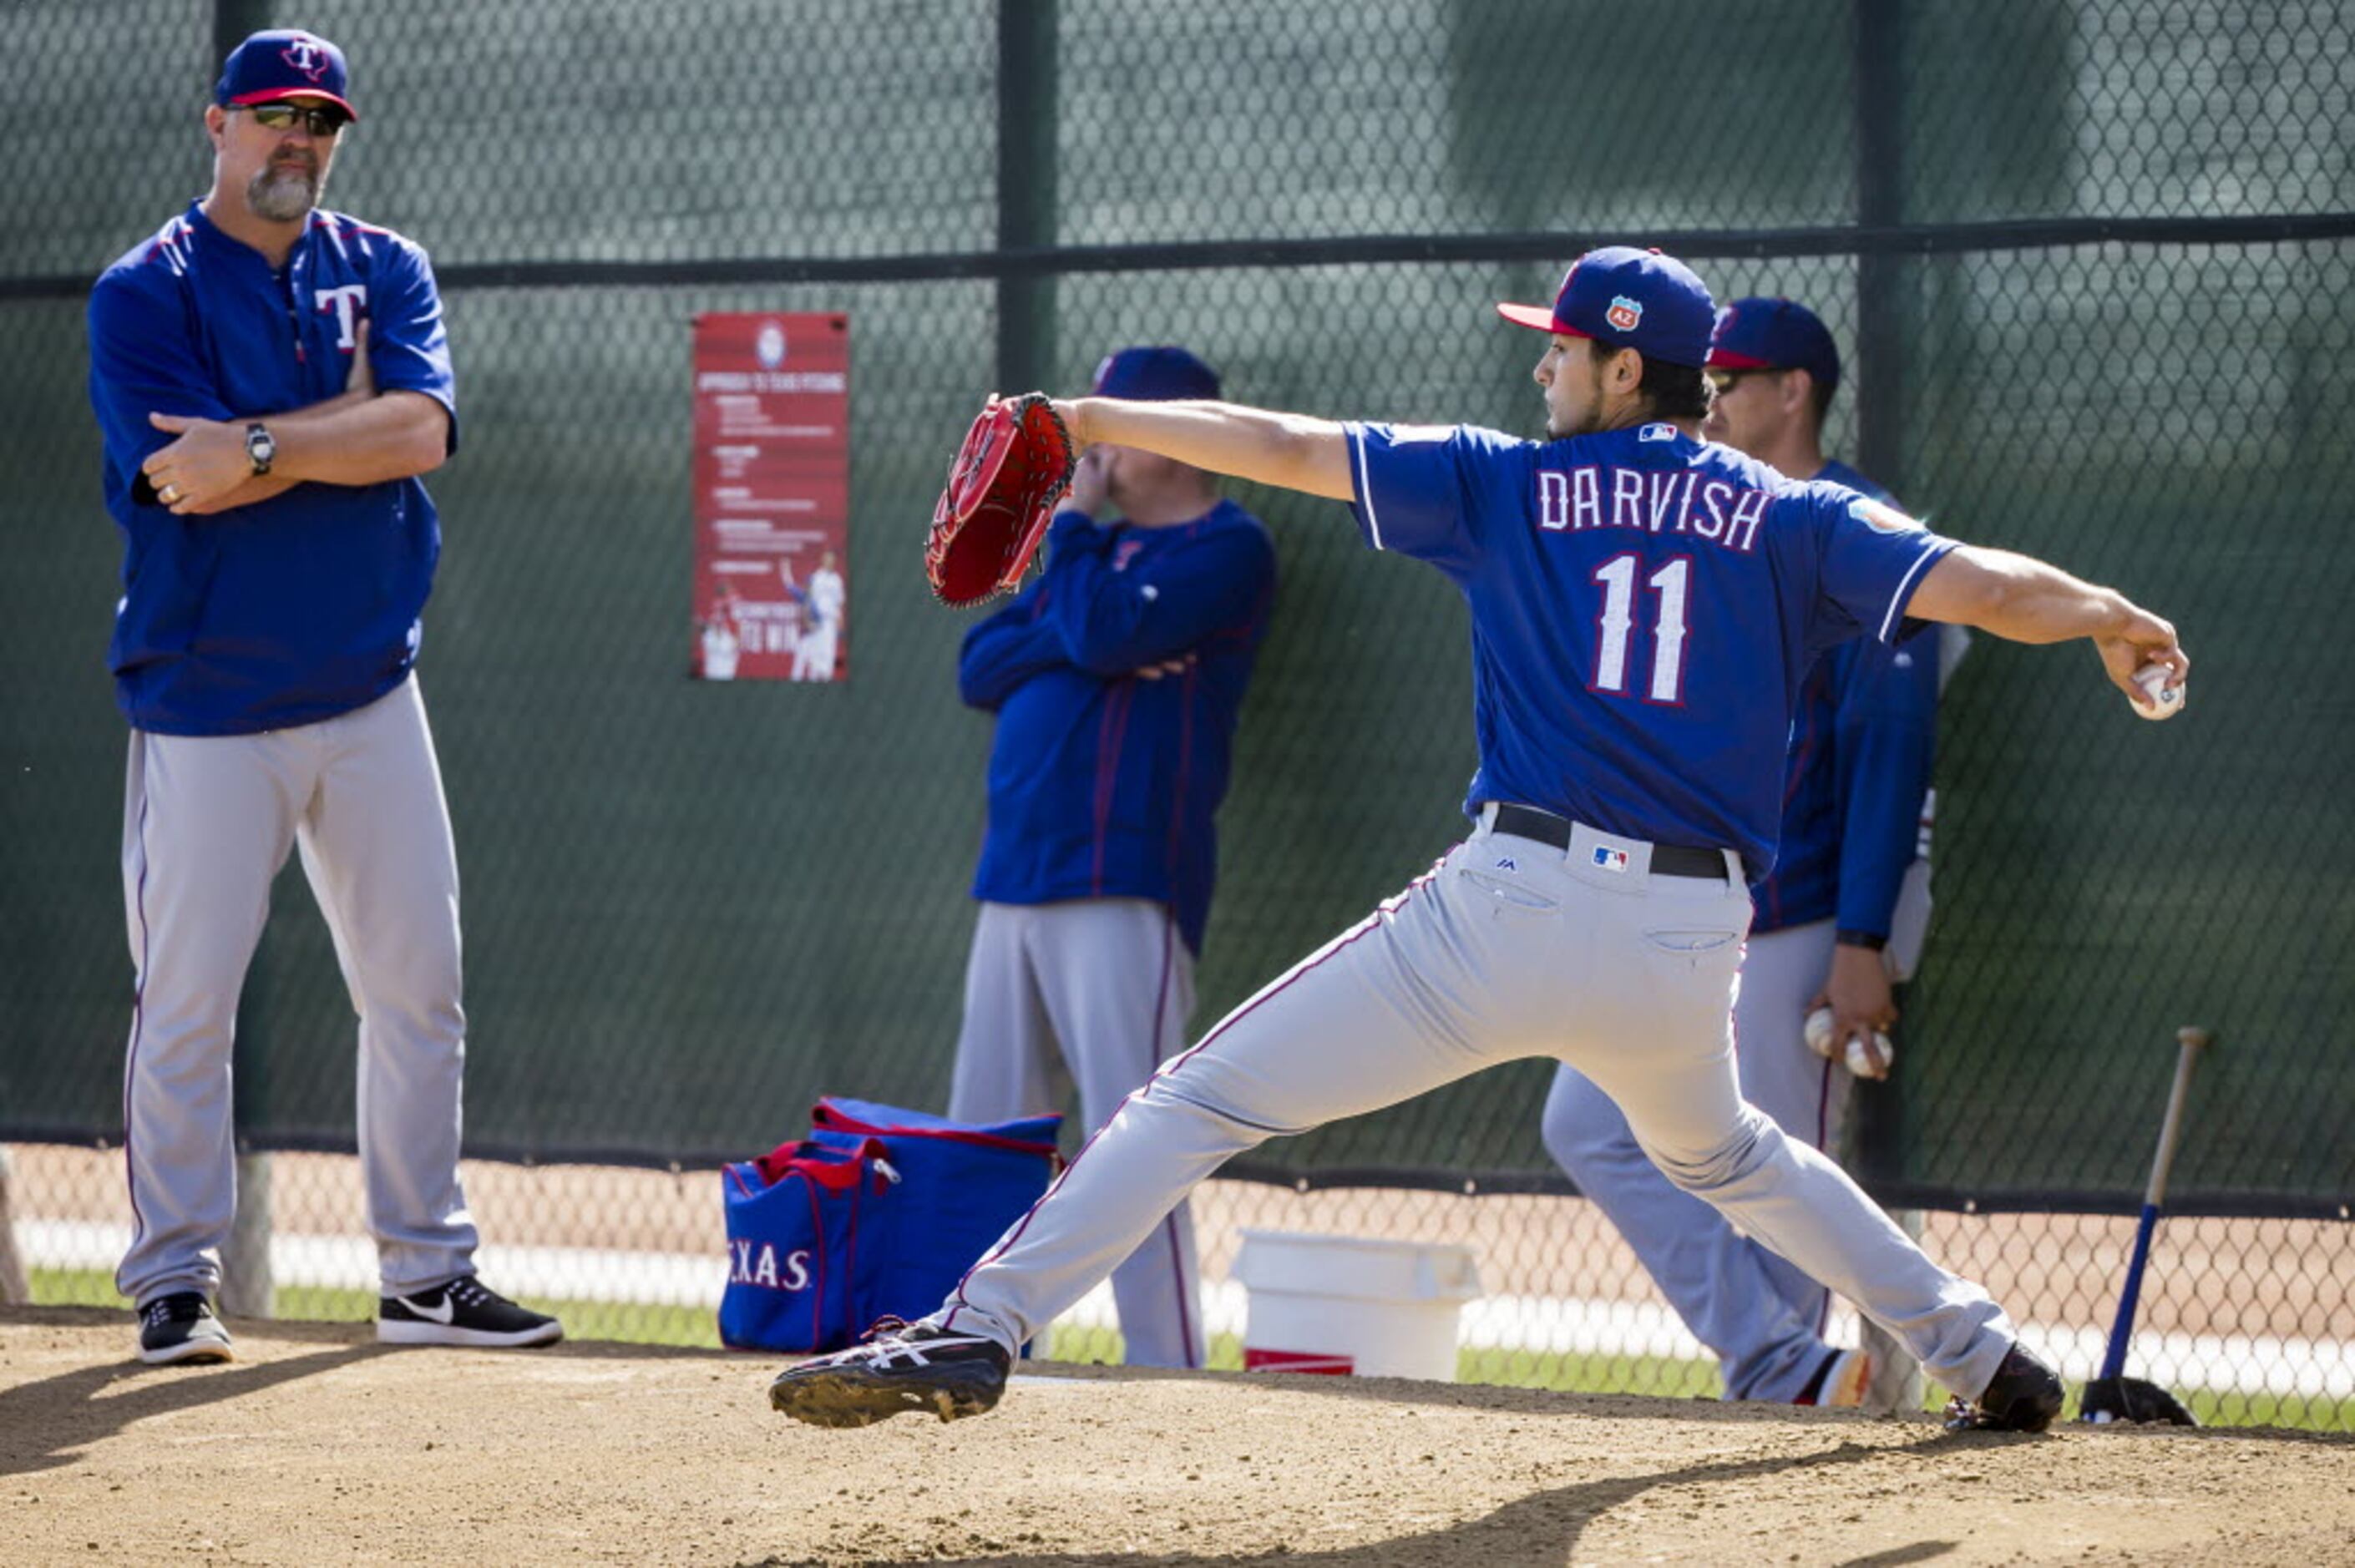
(320, 1447)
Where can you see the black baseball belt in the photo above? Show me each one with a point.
(1668, 860)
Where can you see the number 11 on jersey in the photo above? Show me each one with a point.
(1617, 577)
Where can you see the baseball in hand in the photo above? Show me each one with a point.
(1865, 1058)
(2162, 696)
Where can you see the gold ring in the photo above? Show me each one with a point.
(168, 494)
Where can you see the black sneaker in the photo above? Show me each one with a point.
(901, 1366)
(181, 1328)
(2024, 1396)
(463, 1312)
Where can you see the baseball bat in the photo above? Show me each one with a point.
(2113, 1396)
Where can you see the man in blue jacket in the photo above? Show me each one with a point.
(271, 380)
(1117, 677)
(1855, 785)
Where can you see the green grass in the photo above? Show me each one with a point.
(1662, 1376)
(628, 1321)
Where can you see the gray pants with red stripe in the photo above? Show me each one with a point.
(1762, 1315)
(208, 821)
(1509, 949)
(1094, 991)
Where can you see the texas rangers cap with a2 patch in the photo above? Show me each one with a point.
(1155, 374)
(1628, 298)
(1762, 333)
(284, 62)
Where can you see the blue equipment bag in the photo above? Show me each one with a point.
(962, 1185)
(806, 1224)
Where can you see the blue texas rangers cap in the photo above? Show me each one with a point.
(1774, 334)
(284, 62)
(1161, 375)
(1629, 299)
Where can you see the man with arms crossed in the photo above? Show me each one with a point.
(1861, 748)
(1117, 677)
(1644, 606)
(271, 379)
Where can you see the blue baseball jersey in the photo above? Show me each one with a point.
(305, 604)
(1862, 745)
(1102, 783)
(1644, 606)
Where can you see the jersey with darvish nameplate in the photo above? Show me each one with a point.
(1644, 607)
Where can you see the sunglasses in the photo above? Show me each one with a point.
(283, 117)
(1725, 381)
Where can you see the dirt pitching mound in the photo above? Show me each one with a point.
(319, 1446)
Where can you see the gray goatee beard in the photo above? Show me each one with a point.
(282, 195)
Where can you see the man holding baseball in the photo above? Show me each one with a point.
(1863, 738)
(271, 379)
(1645, 607)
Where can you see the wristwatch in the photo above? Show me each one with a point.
(261, 449)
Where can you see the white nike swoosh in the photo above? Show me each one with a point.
(441, 1314)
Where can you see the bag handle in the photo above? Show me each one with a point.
(822, 1165)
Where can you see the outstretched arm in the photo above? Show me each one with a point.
(2023, 600)
(1293, 451)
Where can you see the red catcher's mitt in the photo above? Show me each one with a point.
(1015, 463)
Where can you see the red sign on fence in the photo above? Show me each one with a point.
(771, 496)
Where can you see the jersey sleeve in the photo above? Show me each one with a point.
(1424, 490)
(1886, 744)
(1113, 621)
(408, 347)
(1006, 649)
(143, 359)
(1870, 559)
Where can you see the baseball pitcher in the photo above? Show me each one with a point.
(1645, 605)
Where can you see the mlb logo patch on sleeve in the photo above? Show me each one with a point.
(1882, 519)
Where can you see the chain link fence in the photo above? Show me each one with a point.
(2089, 263)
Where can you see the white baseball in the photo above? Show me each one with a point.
(1870, 1059)
(1864, 1058)
(2161, 699)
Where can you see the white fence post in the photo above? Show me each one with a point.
(246, 1290)
(1896, 1386)
(15, 1289)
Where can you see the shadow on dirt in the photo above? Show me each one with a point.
(99, 1401)
(50, 1422)
(1540, 1529)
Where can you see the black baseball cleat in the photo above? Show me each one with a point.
(899, 1366)
(181, 1328)
(465, 1312)
(2024, 1396)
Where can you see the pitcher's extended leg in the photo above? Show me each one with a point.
(1350, 1028)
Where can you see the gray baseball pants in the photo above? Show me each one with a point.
(1096, 990)
(1507, 950)
(208, 821)
(1762, 1315)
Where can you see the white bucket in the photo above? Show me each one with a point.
(1341, 1304)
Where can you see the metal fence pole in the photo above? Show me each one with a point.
(1027, 150)
(1878, 38)
(234, 19)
